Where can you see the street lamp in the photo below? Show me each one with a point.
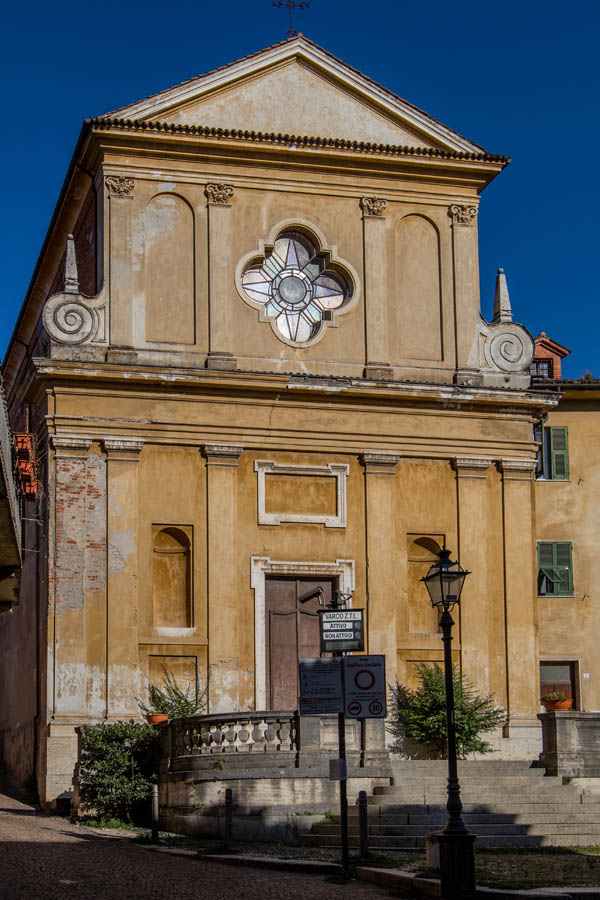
(444, 583)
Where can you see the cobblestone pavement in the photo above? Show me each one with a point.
(47, 857)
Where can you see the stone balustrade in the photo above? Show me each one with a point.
(246, 732)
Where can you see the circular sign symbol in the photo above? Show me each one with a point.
(364, 679)
(375, 708)
(354, 708)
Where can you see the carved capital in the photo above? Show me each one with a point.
(222, 454)
(219, 194)
(122, 445)
(373, 206)
(120, 186)
(380, 463)
(471, 466)
(518, 469)
(463, 214)
(70, 444)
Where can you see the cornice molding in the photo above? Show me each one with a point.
(517, 469)
(471, 466)
(380, 463)
(225, 455)
(303, 142)
(123, 445)
(70, 442)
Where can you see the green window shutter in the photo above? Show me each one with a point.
(559, 453)
(564, 566)
(538, 435)
(555, 568)
(545, 551)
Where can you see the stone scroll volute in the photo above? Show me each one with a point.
(70, 317)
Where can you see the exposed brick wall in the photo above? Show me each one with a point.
(80, 541)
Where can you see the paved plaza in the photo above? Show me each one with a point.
(47, 857)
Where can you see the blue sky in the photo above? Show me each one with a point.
(520, 78)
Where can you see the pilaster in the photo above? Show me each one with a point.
(520, 589)
(375, 289)
(122, 606)
(120, 213)
(471, 476)
(224, 625)
(466, 291)
(220, 276)
(68, 674)
(380, 528)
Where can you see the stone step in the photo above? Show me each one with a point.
(505, 780)
(505, 808)
(488, 790)
(533, 786)
(407, 842)
(438, 818)
(480, 798)
(483, 830)
(464, 765)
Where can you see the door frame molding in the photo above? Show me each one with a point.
(260, 567)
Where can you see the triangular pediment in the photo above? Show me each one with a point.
(297, 88)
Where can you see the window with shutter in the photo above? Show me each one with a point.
(555, 568)
(553, 454)
(559, 453)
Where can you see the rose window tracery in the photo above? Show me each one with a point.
(296, 288)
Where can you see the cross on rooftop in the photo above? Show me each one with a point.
(291, 6)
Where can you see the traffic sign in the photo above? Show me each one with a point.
(365, 687)
(341, 629)
(321, 690)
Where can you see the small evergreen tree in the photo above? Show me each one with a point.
(421, 714)
(118, 764)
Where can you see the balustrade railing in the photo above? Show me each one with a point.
(247, 732)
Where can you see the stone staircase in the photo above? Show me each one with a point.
(505, 804)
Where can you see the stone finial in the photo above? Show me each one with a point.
(502, 307)
(71, 276)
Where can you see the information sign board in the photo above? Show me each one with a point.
(365, 687)
(321, 690)
(342, 629)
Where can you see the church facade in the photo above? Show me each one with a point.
(253, 362)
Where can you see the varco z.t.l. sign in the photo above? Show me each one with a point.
(342, 629)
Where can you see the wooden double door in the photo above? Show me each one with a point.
(292, 633)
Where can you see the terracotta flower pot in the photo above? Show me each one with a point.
(554, 705)
(156, 718)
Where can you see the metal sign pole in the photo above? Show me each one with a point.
(343, 794)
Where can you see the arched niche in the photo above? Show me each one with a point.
(422, 553)
(171, 578)
(418, 308)
(170, 270)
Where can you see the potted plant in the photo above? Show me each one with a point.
(556, 700)
(171, 702)
(157, 709)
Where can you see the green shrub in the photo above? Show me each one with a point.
(173, 701)
(117, 766)
(421, 714)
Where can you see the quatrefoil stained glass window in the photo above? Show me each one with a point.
(296, 288)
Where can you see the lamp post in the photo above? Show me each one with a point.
(444, 583)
